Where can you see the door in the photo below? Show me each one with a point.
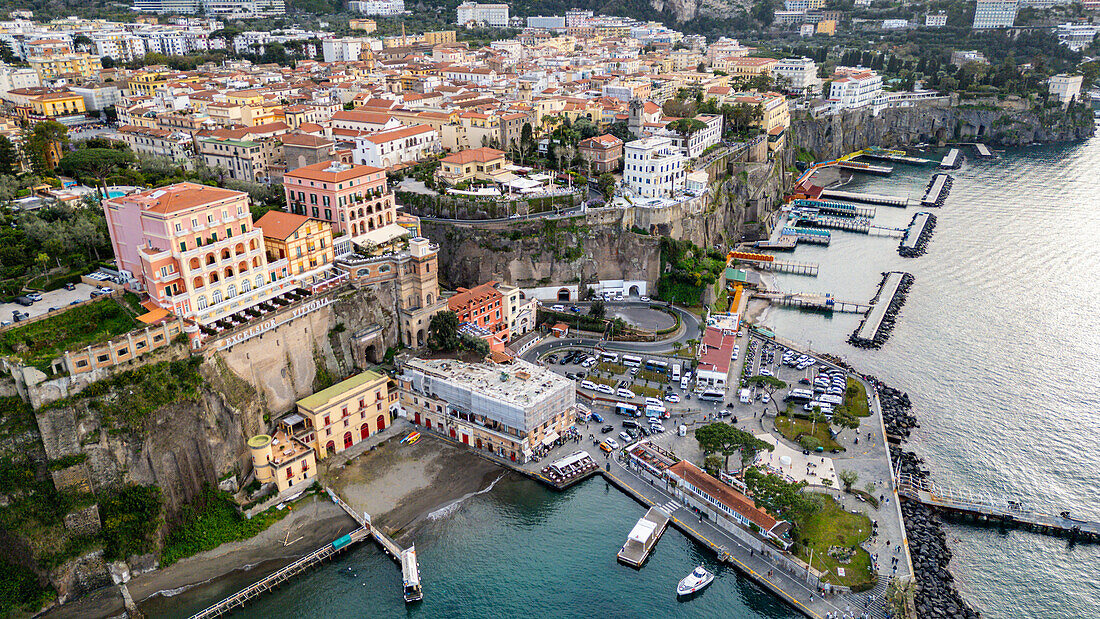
(347, 439)
(330, 448)
(416, 419)
(453, 433)
(465, 439)
(364, 431)
(479, 443)
(381, 423)
(428, 423)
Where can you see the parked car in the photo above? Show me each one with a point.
(106, 289)
(24, 301)
(607, 429)
(34, 296)
(644, 299)
(70, 286)
(558, 308)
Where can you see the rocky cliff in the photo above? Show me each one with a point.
(684, 10)
(996, 122)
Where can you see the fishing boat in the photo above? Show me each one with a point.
(694, 582)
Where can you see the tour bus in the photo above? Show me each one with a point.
(712, 395)
(656, 411)
(626, 409)
(799, 395)
(656, 365)
(826, 408)
(675, 371)
(631, 361)
(609, 357)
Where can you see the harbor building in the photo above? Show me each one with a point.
(339, 417)
(511, 410)
(281, 459)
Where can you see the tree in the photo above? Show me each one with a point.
(9, 157)
(95, 164)
(598, 309)
(769, 384)
(607, 185)
(620, 130)
(43, 145)
(443, 332)
(848, 477)
(728, 440)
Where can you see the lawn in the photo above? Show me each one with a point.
(647, 392)
(614, 368)
(855, 398)
(793, 428)
(657, 377)
(39, 343)
(832, 527)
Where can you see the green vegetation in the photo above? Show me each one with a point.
(613, 368)
(130, 518)
(727, 440)
(39, 343)
(599, 380)
(647, 392)
(779, 497)
(686, 271)
(126, 399)
(855, 399)
(16, 417)
(211, 521)
(65, 462)
(21, 591)
(833, 535)
(581, 322)
(794, 429)
(651, 376)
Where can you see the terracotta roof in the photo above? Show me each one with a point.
(341, 172)
(724, 494)
(476, 294)
(178, 197)
(482, 155)
(280, 224)
(396, 134)
(302, 139)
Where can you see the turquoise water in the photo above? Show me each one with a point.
(518, 551)
(998, 348)
(114, 193)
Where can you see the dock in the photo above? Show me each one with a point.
(895, 156)
(858, 166)
(994, 510)
(782, 243)
(849, 224)
(876, 325)
(937, 191)
(983, 151)
(836, 208)
(807, 235)
(814, 302)
(867, 198)
(315, 558)
(783, 266)
(950, 161)
(916, 238)
(643, 537)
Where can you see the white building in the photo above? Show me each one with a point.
(653, 167)
(553, 22)
(935, 20)
(1077, 36)
(15, 77)
(378, 7)
(693, 144)
(1065, 87)
(472, 13)
(386, 149)
(895, 24)
(995, 14)
(800, 74)
(577, 17)
(98, 98)
(343, 50)
(854, 87)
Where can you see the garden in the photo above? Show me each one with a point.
(39, 343)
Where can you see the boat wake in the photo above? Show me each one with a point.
(453, 506)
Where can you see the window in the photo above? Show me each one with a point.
(243, 230)
(183, 245)
(202, 303)
(178, 227)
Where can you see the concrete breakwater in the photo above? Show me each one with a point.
(917, 236)
(935, 194)
(875, 328)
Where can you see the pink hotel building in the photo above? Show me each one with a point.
(194, 249)
(353, 198)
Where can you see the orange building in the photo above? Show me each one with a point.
(482, 307)
(305, 242)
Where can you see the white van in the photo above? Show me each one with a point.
(835, 400)
(653, 402)
(587, 384)
(745, 396)
(625, 393)
(675, 371)
(826, 408)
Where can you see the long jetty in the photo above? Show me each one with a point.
(850, 224)
(867, 198)
(859, 166)
(813, 302)
(767, 262)
(997, 511)
(879, 321)
(827, 207)
(916, 238)
(937, 191)
(406, 557)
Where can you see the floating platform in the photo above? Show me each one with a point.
(983, 151)
(643, 537)
(808, 235)
(850, 224)
(814, 302)
(916, 238)
(783, 243)
(858, 166)
(895, 156)
(876, 326)
(766, 262)
(836, 208)
(938, 189)
(951, 161)
(867, 198)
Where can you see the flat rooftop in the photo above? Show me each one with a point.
(519, 383)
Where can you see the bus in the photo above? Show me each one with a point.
(631, 361)
(675, 371)
(799, 395)
(712, 395)
(656, 411)
(656, 365)
(626, 409)
(609, 357)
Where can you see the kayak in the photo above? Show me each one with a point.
(411, 438)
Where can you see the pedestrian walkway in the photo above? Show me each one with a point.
(671, 506)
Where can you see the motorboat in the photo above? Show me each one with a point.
(696, 581)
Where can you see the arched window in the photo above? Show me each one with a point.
(201, 303)
(259, 281)
(210, 259)
(252, 245)
(239, 249)
(242, 267)
(231, 291)
(228, 272)
(246, 286)
(217, 297)
(225, 253)
(429, 298)
(197, 283)
(214, 277)
(194, 264)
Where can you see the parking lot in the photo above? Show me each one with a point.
(53, 299)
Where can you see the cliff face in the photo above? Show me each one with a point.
(684, 10)
(1011, 122)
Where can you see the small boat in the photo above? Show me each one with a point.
(696, 581)
(414, 439)
(411, 438)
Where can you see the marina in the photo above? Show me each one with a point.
(836, 208)
(868, 198)
(643, 537)
(813, 302)
(807, 235)
(896, 156)
(874, 329)
(918, 234)
(937, 191)
(815, 220)
(766, 262)
(950, 161)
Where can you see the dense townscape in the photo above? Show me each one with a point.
(268, 273)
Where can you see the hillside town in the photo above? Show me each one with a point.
(243, 280)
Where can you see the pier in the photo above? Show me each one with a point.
(983, 150)
(867, 198)
(813, 302)
(874, 329)
(836, 208)
(807, 235)
(937, 191)
(850, 224)
(994, 510)
(858, 166)
(896, 156)
(781, 243)
(950, 160)
(643, 537)
(256, 589)
(917, 236)
(410, 569)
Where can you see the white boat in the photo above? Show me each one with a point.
(697, 580)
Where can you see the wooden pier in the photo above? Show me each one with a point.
(857, 166)
(867, 198)
(995, 510)
(410, 569)
(813, 302)
(643, 537)
(850, 224)
(784, 266)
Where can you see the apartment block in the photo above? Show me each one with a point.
(653, 167)
(472, 13)
(393, 148)
(243, 160)
(304, 242)
(990, 14)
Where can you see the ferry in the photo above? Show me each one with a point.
(694, 582)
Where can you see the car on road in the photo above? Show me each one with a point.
(611, 443)
(574, 308)
(766, 398)
(552, 359)
(672, 397)
(625, 393)
(558, 308)
(607, 429)
(656, 427)
(623, 435)
(633, 371)
(597, 418)
(605, 389)
(34, 296)
(70, 286)
(25, 301)
(644, 299)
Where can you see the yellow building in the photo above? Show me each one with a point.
(341, 416)
(54, 104)
(473, 164)
(305, 242)
(439, 36)
(282, 459)
(826, 26)
(147, 82)
(65, 65)
(366, 25)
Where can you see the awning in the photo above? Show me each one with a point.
(549, 439)
(292, 419)
(381, 236)
(642, 531)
